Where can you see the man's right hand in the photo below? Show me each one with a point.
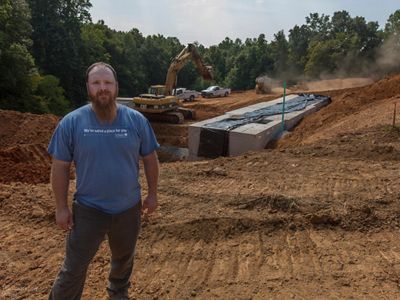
(64, 218)
(60, 183)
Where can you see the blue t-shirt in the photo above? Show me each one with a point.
(106, 157)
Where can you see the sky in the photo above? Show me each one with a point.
(210, 21)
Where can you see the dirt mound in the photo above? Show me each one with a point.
(378, 143)
(334, 84)
(25, 128)
(386, 88)
(33, 153)
(351, 109)
(25, 163)
(23, 142)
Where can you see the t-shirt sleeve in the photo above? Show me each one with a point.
(148, 139)
(61, 144)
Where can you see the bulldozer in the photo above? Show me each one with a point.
(159, 104)
(263, 85)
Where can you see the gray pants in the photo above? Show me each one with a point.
(90, 228)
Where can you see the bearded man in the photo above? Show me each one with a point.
(105, 141)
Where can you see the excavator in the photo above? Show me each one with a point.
(159, 104)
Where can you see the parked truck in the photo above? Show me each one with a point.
(185, 94)
(215, 91)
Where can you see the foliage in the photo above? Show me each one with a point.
(43, 59)
(50, 95)
(57, 42)
(393, 24)
(16, 63)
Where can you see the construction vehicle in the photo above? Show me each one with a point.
(263, 85)
(159, 104)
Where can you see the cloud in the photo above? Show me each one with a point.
(210, 21)
(205, 21)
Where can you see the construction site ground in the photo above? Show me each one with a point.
(314, 216)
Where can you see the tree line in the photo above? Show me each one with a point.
(46, 46)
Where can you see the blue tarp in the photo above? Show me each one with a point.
(259, 115)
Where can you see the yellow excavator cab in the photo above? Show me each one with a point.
(157, 90)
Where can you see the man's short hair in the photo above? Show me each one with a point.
(100, 64)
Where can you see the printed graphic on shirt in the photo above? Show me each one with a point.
(116, 132)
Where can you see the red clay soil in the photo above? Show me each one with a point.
(316, 218)
(23, 143)
(345, 104)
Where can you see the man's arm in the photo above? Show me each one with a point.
(60, 184)
(151, 170)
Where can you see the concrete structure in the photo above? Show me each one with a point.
(209, 139)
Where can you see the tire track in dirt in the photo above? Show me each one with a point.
(291, 261)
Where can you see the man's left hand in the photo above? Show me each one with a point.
(149, 204)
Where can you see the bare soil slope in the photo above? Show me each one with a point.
(316, 218)
(23, 143)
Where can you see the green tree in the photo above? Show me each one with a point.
(252, 59)
(392, 26)
(340, 45)
(93, 41)
(280, 54)
(50, 95)
(120, 49)
(130, 66)
(319, 26)
(356, 41)
(264, 61)
(299, 40)
(341, 22)
(57, 43)
(369, 35)
(16, 64)
(156, 59)
(321, 59)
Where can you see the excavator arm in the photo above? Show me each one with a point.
(189, 52)
(159, 104)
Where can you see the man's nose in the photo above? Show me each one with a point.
(103, 86)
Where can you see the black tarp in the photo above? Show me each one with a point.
(214, 137)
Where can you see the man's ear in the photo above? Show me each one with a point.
(87, 88)
(117, 89)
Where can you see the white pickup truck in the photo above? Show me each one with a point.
(186, 95)
(215, 91)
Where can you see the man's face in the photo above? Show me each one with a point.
(102, 87)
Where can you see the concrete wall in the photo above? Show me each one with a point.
(251, 136)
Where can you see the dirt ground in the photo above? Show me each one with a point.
(314, 217)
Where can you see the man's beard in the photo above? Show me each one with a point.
(103, 101)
